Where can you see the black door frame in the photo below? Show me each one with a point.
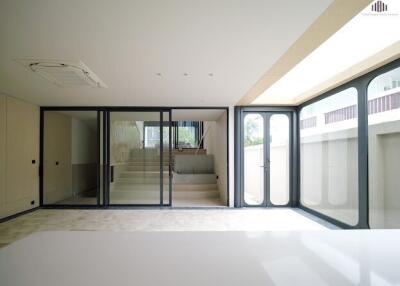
(101, 114)
(103, 122)
(266, 113)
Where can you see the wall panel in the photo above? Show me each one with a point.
(2, 151)
(21, 156)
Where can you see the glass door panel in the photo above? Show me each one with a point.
(253, 155)
(135, 152)
(266, 159)
(279, 155)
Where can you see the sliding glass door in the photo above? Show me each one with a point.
(72, 157)
(266, 159)
(139, 152)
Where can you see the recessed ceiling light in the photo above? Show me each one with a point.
(211, 74)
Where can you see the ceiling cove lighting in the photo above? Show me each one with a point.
(365, 35)
(63, 73)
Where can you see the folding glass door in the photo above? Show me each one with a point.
(266, 159)
(139, 158)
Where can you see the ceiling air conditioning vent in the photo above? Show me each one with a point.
(64, 73)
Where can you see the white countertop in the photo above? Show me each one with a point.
(57, 258)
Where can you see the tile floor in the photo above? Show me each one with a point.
(159, 220)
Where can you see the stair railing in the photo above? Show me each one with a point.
(201, 140)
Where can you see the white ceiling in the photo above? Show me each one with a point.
(126, 43)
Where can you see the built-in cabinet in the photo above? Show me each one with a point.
(19, 156)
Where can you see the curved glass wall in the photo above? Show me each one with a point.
(329, 156)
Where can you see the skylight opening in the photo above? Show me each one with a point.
(366, 34)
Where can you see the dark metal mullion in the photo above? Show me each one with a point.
(170, 157)
(267, 165)
(41, 162)
(239, 164)
(98, 159)
(161, 159)
(105, 151)
(363, 206)
(107, 174)
(295, 167)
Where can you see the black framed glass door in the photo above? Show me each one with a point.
(266, 163)
(139, 157)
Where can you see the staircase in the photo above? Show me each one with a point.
(195, 183)
(137, 181)
(195, 195)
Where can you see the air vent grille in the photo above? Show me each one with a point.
(64, 73)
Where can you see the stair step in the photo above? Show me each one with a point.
(146, 194)
(142, 174)
(146, 163)
(194, 187)
(196, 194)
(145, 168)
(154, 180)
(144, 187)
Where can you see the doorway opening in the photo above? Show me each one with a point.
(266, 172)
(200, 157)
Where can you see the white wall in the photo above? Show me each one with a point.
(384, 179)
(83, 142)
(254, 174)
(329, 173)
(215, 142)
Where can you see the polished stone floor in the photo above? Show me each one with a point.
(159, 220)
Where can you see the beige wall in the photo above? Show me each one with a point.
(19, 145)
(2, 151)
(84, 143)
(57, 182)
(84, 156)
(215, 143)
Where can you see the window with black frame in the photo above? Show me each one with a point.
(151, 131)
(187, 134)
